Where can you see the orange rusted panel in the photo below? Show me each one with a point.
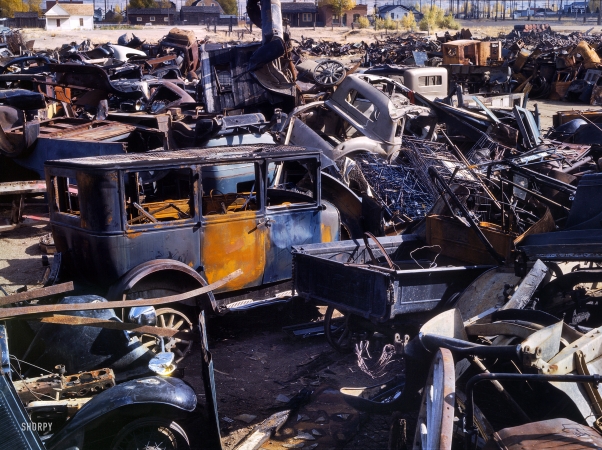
(234, 241)
(462, 243)
(327, 235)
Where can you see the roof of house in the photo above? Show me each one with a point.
(78, 10)
(66, 9)
(26, 15)
(154, 11)
(387, 8)
(298, 7)
(217, 9)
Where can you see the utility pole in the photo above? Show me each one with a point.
(375, 15)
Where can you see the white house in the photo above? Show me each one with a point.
(396, 12)
(65, 16)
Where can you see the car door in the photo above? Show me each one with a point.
(233, 230)
(294, 215)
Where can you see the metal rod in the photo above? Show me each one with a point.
(470, 169)
(535, 194)
(498, 386)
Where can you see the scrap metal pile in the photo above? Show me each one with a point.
(555, 66)
(445, 224)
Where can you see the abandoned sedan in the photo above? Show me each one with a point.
(167, 222)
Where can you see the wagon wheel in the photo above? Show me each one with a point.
(329, 73)
(436, 417)
(342, 332)
(174, 320)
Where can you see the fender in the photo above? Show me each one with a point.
(151, 390)
(147, 268)
(361, 144)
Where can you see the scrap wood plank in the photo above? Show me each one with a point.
(62, 319)
(263, 431)
(37, 293)
(9, 313)
(23, 187)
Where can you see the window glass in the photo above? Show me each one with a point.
(432, 80)
(159, 196)
(138, 19)
(152, 18)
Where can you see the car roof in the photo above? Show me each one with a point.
(186, 156)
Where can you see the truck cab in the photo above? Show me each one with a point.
(158, 223)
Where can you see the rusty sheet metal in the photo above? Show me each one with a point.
(434, 430)
(185, 41)
(79, 129)
(37, 293)
(562, 117)
(6, 313)
(156, 62)
(591, 60)
(69, 386)
(548, 434)
(232, 241)
(462, 243)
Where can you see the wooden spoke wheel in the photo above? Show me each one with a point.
(329, 73)
(174, 320)
(435, 424)
(342, 330)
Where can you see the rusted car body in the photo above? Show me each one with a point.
(367, 113)
(168, 221)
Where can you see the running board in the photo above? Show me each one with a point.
(245, 305)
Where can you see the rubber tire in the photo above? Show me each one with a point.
(165, 435)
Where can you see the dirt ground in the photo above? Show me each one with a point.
(50, 40)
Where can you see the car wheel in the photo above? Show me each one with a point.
(173, 320)
(151, 433)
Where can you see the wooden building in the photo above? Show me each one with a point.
(201, 14)
(154, 16)
(27, 20)
(299, 14)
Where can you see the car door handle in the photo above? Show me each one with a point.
(267, 222)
